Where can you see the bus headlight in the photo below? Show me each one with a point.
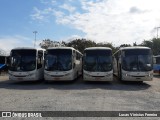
(110, 74)
(87, 75)
(127, 75)
(31, 74)
(150, 74)
(10, 74)
(47, 74)
(67, 74)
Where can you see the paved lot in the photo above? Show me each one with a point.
(79, 96)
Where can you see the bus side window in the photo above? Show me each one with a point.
(77, 56)
(40, 59)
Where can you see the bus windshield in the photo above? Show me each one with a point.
(98, 60)
(23, 60)
(137, 60)
(58, 60)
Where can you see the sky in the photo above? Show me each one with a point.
(114, 21)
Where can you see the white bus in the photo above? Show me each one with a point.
(26, 64)
(97, 64)
(156, 65)
(62, 63)
(133, 64)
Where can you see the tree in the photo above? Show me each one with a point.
(106, 44)
(48, 43)
(154, 44)
(147, 43)
(125, 45)
(134, 44)
(81, 44)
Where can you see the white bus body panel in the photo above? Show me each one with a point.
(65, 75)
(137, 76)
(130, 75)
(97, 76)
(59, 75)
(34, 75)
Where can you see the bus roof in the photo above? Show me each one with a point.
(69, 48)
(98, 48)
(134, 47)
(61, 48)
(27, 48)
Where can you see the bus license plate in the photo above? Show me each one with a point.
(98, 78)
(20, 78)
(56, 78)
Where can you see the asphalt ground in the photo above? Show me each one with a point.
(80, 96)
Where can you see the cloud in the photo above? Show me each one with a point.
(41, 15)
(68, 7)
(10, 42)
(115, 21)
(37, 15)
(110, 21)
(135, 10)
(48, 2)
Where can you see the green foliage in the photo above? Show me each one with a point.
(49, 43)
(154, 44)
(135, 44)
(147, 43)
(81, 44)
(105, 44)
(125, 45)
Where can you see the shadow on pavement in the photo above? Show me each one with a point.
(157, 76)
(78, 84)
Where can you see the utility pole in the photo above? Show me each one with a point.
(157, 31)
(35, 32)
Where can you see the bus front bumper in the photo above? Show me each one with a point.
(145, 76)
(23, 77)
(66, 77)
(101, 77)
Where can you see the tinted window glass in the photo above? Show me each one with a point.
(97, 60)
(23, 60)
(58, 60)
